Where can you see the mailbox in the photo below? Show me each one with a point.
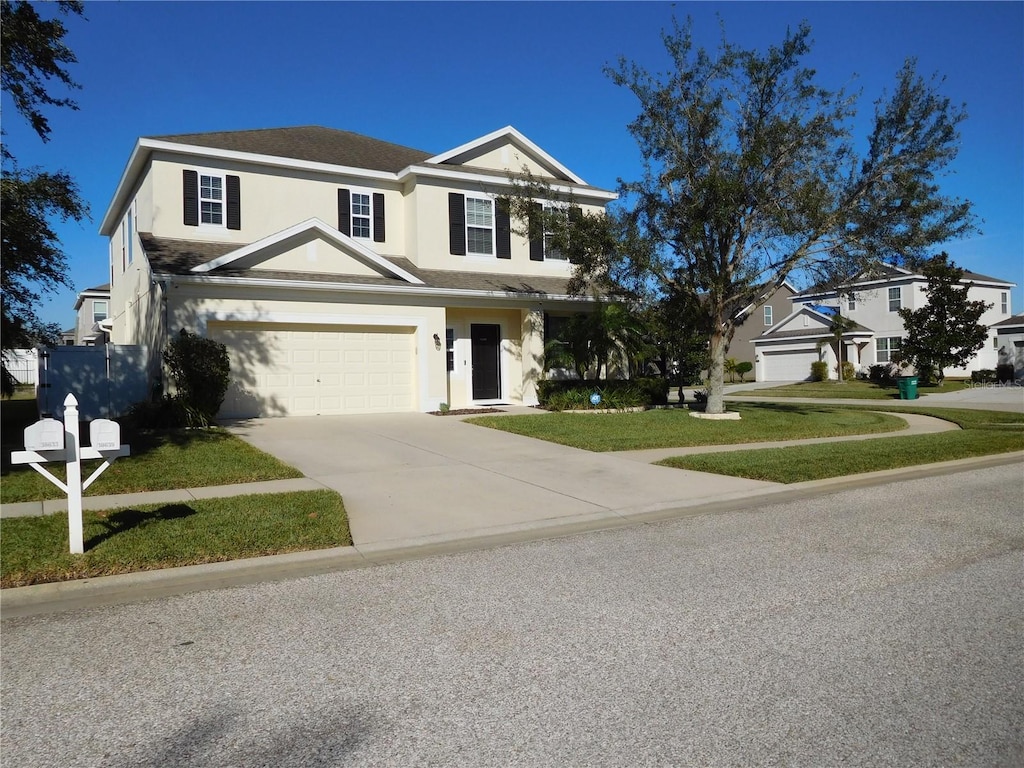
(104, 435)
(45, 435)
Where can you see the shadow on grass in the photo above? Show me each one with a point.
(795, 409)
(127, 519)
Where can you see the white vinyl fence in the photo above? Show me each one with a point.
(22, 364)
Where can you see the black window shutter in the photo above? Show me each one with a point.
(190, 183)
(378, 217)
(344, 212)
(457, 223)
(234, 202)
(536, 233)
(503, 225)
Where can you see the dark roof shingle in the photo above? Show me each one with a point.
(312, 143)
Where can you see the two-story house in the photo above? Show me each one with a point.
(871, 303)
(345, 274)
(92, 307)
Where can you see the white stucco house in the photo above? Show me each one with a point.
(1009, 344)
(345, 274)
(785, 351)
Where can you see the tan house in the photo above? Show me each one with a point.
(344, 274)
(758, 319)
(92, 308)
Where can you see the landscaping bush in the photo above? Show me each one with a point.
(166, 413)
(984, 376)
(744, 368)
(615, 393)
(849, 371)
(884, 373)
(201, 371)
(1004, 373)
(819, 370)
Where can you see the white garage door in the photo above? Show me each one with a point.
(305, 370)
(788, 366)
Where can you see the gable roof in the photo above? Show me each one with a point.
(506, 134)
(177, 258)
(778, 332)
(99, 292)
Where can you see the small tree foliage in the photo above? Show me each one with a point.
(945, 332)
(751, 174)
(201, 371)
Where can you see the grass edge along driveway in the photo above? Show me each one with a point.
(34, 550)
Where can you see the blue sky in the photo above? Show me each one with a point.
(436, 75)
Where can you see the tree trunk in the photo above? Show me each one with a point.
(716, 371)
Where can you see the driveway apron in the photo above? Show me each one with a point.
(410, 477)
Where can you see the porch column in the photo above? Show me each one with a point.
(533, 353)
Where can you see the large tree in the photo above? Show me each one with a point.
(751, 175)
(32, 262)
(945, 332)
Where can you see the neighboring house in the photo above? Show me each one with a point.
(92, 308)
(1009, 344)
(67, 337)
(344, 274)
(785, 351)
(758, 319)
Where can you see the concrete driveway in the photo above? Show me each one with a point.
(413, 478)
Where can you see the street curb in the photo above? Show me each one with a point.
(142, 586)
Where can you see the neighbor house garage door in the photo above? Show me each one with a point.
(788, 366)
(304, 370)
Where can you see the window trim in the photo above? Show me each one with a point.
(352, 215)
(222, 201)
(547, 251)
(106, 310)
(492, 228)
(768, 314)
(851, 303)
(898, 298)
(1004, 302)
(889, 348)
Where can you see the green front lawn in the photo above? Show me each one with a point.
(672, 428)
(34, 550)
(160, 461)
(800, 463)
(856, 389)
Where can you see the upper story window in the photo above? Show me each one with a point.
(479, 226)
(361, 214)
(895, 300)
(551, 252)
(99, 310)
(1004, 303)
(211, 199)
(851, 302)
(767, 314)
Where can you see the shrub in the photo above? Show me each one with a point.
(1004, 373)
(201, 371)
(882, 372)
(626, 393)
(743, 368)
(700, 396)
(984, 376)
(164, 413)
(819, 370)
(849, 370)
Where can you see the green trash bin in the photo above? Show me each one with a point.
(908, 387)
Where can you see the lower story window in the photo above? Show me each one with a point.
(449, 336)
(886, 347)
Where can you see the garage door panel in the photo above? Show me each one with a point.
(306, 370)
(788, 365)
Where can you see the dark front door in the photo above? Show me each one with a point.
(486, 370)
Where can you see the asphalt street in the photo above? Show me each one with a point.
(882, 626)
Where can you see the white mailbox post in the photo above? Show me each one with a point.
(49, 440)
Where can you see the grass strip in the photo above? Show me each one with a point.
(160, 461)
(857, 389)
(673, 428)
(34, 550)
(800, 463)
